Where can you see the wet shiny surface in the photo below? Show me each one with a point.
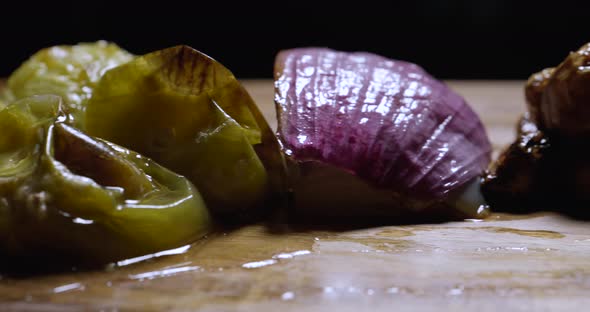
(506, 262)
(525, 261)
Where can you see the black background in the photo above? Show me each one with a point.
(480, 39)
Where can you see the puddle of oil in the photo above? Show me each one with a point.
(250, 244)
(374, 243)
(495, 229)
(231, 258)
(500, 216)
(230, 254)
(530, 233)
(394, 233)
(390, 239)
(250, 247)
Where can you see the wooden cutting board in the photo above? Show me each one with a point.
(505, 263)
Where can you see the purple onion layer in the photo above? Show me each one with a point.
(386, 121)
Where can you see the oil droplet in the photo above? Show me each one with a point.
(163, 273)
(328, 290)
(392, 290)
(68, 287)
(483, 210)
(523, 249)
(259, 264)
(291, 255)
(175, 251)
(352, 289)
(275, 258)
(82, 221)
(517, 248)
(457, 291)
(288, 296)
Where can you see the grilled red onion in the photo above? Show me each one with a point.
(376, 137)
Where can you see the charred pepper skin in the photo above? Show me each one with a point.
(189, 113)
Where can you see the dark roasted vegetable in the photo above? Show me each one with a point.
(547, 168)
(558, 99)
(370, 136)
(63, 193)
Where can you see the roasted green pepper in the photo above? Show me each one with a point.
(189, 113)
(63, 192)
(178, 106)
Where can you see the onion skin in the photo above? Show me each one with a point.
(387, 122)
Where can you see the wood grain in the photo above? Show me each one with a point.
(505, 263)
